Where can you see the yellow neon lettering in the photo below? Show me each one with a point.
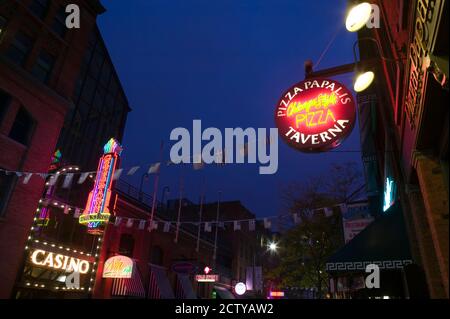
(322, 101)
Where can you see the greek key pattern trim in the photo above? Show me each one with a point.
(360, 265)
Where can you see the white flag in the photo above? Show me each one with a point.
(19, 174)
(133, 170)
(154, 168)
(141, 224)
(208, 227)
(267, 223)
(27, 178)
(68, 180)
(243, 150)
(251, 225)
(221, 225)
(52, 180)
(153, 226)
(328, 211)
(166, 227)
(130, 222)
(198, 162)
(83, 178)
(236, 225)
(296, 218)
(117, 174)
(169, 162)
(117, 221)
(77, 213)
(220, 157)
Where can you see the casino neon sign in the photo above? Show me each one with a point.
(96, 214)
(315, 115)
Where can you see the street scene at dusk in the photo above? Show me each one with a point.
(253, 153)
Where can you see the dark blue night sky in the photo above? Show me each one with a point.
(226, 63)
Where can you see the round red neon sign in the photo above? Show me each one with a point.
(315, 115)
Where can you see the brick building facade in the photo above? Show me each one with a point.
(39, 62)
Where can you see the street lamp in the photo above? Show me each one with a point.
(358, 16)
(273, 246)
(364, 77)
(363, 81)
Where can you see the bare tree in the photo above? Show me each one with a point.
(307, 246)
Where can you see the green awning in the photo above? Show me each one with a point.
(384, 243)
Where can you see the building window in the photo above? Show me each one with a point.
(43, 67)
(22, 127)
(126, 246)
(5, 99)
(20, 48)
(6, 185)
(59, 22)
(39, 8)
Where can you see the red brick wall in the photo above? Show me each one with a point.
(48, 106)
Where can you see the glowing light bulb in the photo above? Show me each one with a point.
(358, 16)
(363, 81)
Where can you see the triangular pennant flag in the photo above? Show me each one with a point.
(169, 162)
(117, 174)
(68, 180)
(243, 150)
(53, 179)
(208, 227)
(117, 221)
(236, 225)
(220, 157)
(251, 225)
(198, 162)
(83, 177)
(154, 225)
(130, 222)
(77, 213)
(267, 223)
(328, 211)
(27, 178)
(66, 209)
(141, 224)
(43, 175)
(166, 227)
(133, 170)
(296, 218)
(154, 168)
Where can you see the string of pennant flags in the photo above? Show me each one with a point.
(70, 172)
(71, 175)
(166, 224)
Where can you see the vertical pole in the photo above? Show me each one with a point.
(155, 188)
(217, 229)
(179, 209)
(202, 196)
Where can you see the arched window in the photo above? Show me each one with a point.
(22, 127)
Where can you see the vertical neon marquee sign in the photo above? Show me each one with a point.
(96, 214)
